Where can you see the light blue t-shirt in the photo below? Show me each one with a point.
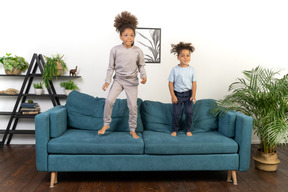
(182, 77)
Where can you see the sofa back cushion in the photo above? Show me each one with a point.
(157, 116)
(203, 120)
(86, 112)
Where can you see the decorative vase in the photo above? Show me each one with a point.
(38, 91)
(14, 72)
(68, 91)
(59, 69)
(266, 161)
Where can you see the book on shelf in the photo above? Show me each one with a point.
(30, 112)
(29, 105)
(30, 108)
(27, 109)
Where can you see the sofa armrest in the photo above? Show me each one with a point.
(43, 134)
(243, 135)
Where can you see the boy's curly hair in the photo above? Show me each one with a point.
(176, 49)
(125, 20)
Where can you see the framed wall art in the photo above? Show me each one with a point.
(149, 41)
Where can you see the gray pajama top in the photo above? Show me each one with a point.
(126, 63)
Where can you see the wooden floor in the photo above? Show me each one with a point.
(18, 173)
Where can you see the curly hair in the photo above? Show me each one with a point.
(125, 20)
(176, 49)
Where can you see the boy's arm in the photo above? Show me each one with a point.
(194, 88)
(171, 89)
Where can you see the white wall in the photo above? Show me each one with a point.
(229, 36)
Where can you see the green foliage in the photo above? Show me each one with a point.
(50, 68)
(17, 62)
(265, 98)
(69, 85)
(38, 85)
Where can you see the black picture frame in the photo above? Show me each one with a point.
(149, 41)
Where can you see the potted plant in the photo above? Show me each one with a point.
(265, 98)
(53, 67)
(38, 88)
(13, 65)
(68, 86)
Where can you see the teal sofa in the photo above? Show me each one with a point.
(67, 139)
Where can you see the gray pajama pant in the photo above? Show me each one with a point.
(131, 93)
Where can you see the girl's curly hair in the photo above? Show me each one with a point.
(176, 49)
(125, 20)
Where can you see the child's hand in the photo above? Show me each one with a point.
(193, 99)
(174, 99)
(105, 86)
(144, 79)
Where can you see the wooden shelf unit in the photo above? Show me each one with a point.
(37, 61)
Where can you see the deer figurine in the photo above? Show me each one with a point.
(73, 71)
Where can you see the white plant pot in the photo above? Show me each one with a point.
(39, 91)
(68, 91)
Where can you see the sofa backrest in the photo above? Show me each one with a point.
(157, 116)
(86, 112)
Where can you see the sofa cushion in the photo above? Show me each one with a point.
(86, 112)
(227, 124)
(157, 116)
(199, 143)
(203, 120)
(75, 141)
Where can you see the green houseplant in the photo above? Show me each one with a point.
(264, 97)
(38, 87)
(13, 65)
(53, 67)
(68, 86)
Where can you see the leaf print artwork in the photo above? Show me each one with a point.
(149, 41)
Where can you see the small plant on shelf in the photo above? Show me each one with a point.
(38, 87)
(69, 86)
(53, 67)
(13, 65)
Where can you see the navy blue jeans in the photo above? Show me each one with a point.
(183, 99)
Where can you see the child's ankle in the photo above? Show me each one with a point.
(174, 133)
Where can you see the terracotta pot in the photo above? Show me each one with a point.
(59, 69)
(266, 161)
(14, 72)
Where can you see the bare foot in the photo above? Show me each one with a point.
(102, 130)
(189, 134)
(174, 134)
(134, 135)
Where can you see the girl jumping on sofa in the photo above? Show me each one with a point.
(126, 60)
(182, 86)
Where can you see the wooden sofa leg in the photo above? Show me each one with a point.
(56, 178)
(229, 174)
(53, 179)
(234, 177)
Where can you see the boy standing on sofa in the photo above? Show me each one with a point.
(182, 87)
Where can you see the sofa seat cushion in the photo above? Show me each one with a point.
(199, 143)
(75, 141)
